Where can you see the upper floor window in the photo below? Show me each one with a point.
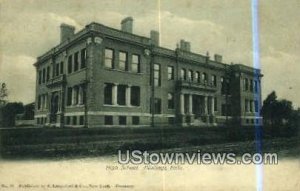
(40, 76)
(170, 101)
(83, 58)
(48, 73)
(135, 65)
(215, 104)
(70, 63)
(157, 106)
(109, 58)
(246, 105)
(190, 75)
(170, 73)
(246, 84)
(69, 96)
(183, 74)
(108, 93)
(44, 75)
(204, 77)
(156, 75)
(56, 69)
(61, 67)
(123, 61)
(135, 96)
(197, 77)
(255, 86)
(121, 95)
(76, 61)
(214, 80)
(256, 106)
(251, 85)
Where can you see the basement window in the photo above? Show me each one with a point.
(122, 120)
(108, 120)
(135, 120)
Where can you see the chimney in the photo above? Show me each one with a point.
(218, 58)
(154, 36)
(66, 32)
(184, 45)
(126, 24)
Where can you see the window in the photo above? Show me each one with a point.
(75, 95)
(190, 75)
(224, 86)
(135, 96)
(108, 93)
(122, 120)
(68, 120)
(171, 120)
(215, 104)
(251, 105)
(109, 58)
(135, 120)
(204, 77)
(197, 77)
(61, 67)
(81, 120)
(108, 120)
(156, 75)
(255, 86)
(121, 95)
(214, 80)
(39, 102)
(170, 73)
(123, 61)
(83, 58)
(40, 77)
(74, 120)
(69, 98)
(246, 84)
(246, 105)
(44, 75)
(76, 61)
(170, 101)
(70, 60)
(135, 65)
(183, 74)
(48, 73)
(251, 85)
(256, 106)
(82, 94)
(57, 69)
(157, 105)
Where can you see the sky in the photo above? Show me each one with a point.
(28, 28)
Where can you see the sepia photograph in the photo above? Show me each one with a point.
(153, 95)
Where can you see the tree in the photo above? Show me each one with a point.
(276, 113)
(3, 93)
(9, 112)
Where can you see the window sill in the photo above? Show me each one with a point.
(75, 106)
(125, 106)
(78, 71)
(124, 71)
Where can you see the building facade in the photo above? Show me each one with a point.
(104, 77)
